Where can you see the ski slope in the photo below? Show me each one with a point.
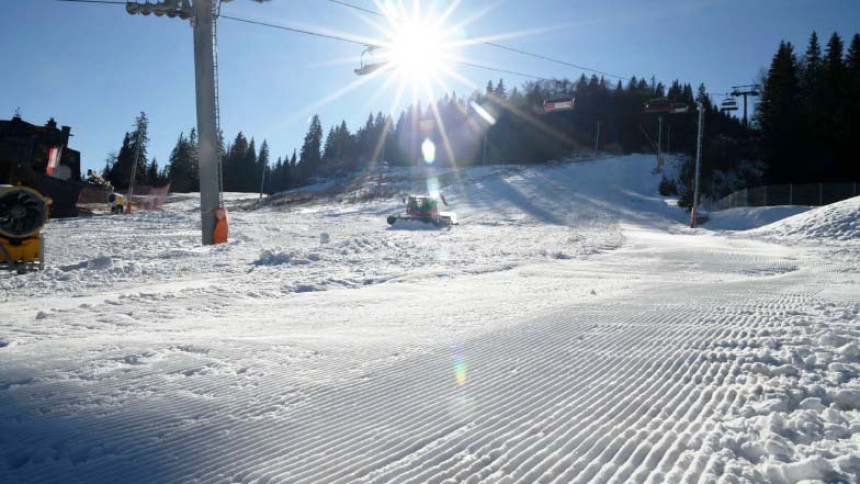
(571, 329)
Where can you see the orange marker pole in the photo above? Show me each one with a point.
(219, 235)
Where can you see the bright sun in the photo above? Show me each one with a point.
(417, 49)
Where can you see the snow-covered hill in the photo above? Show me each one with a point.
(747, 218)
(509, 216)
(837, 222)
(572, 329)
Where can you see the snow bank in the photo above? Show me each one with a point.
(746, 218)
(835, 222)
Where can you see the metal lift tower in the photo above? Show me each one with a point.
(202, 14)
(753, 90)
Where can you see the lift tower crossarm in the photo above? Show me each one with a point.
(745, 91)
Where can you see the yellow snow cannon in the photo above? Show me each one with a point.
(116, 202)
(23, 213)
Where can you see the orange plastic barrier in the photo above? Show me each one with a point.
(220, 235)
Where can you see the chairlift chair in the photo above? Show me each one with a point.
(679, 108)
(729, 104)
(558, 104)
(658, 105)
(365, 67)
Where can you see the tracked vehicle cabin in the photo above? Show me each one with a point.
(39, 157)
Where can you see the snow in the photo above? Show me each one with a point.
(571, 329)
(838, 222)
(745, 218)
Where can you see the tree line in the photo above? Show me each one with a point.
(810, 112)
(495, 125)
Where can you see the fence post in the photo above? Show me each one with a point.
(820, 194)
(791, 193)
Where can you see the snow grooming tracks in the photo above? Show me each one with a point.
(708, 360)
(633, 392)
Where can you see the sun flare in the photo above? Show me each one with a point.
(417, 49)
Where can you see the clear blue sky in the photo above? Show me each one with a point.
(94, 67)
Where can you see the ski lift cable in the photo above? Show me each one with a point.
(505, 71)
(353, 41)
(299, 31)
(323, 35)
(499, 46)
(359, 42)
(357, 7)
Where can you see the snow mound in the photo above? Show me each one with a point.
(747, 218)
(838, 221)
(101, 263)
(275, 257)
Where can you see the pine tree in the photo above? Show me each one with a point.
(121, 170)
(702, 97)
(233, 167)
(195, 166)
(140, 136)
(778, 114)
(263, 168)
(310, 152)
(110, 161)
(275, 183)
(811, 96)
(500, 91)
(248, 171)
(833, 111)
(811, 64)
(153, 175)
(181, 171)
(329, 148)
(852, 110)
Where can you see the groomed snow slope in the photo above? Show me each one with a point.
(571, 330)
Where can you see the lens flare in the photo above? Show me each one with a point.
(433, 186)
(460, 372)
(428, 150)
(483, 113)
(417, 48)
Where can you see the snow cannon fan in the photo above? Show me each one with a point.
(116, 202)
(23, 213)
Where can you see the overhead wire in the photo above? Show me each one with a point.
(297, 30)
(357, 7)
(364, 43)
(499, 46)
(325, 35)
